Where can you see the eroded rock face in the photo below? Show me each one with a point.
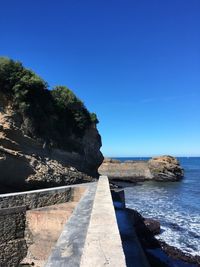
(164, 168)
(92, 155)
(26, 163)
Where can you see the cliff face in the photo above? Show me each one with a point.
(164, 168)
(47, 138)
(25, 163)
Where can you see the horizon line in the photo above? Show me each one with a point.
(182, 156)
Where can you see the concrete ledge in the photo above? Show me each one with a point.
(69, 247)
(47, 190)
(91, 236)
(42, 197)
(15, 233)
(103, 243)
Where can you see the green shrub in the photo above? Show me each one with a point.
(94, 118)
(52, 115)
(67, 103)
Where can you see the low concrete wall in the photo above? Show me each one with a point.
(13, 206)
(12, 243)
(69, 248)
(91, 237)
(42, 197)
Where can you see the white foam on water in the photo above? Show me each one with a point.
(180, 241)
(180, 226)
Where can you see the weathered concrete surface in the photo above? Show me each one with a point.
(69, 248)
(90, 236)
(43, 228)
(13, 211)
(133, 251)
(103, 244)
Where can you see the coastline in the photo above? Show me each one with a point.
(158, 252)
(163, 168)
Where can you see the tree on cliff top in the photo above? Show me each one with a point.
(45, 114)
(66, 101)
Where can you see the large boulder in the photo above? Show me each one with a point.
(165, 168)
(152, 225)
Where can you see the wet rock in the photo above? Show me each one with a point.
(145, 233)
(158, 252)
(176, 253)
(153, 226)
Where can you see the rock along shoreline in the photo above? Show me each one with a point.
(163, 168)
(158, 253)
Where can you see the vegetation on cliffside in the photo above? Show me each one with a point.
(42, 113)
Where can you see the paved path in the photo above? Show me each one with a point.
(103, 246)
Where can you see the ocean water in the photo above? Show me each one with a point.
(175, 204)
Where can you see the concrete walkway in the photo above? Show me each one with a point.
(91, 237)
(69, 247)
(103, 245)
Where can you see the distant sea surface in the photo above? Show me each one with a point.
(175, 204)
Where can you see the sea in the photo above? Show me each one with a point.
(175, 204)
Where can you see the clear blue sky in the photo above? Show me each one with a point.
(135, 63)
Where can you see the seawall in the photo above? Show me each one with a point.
(65, 226)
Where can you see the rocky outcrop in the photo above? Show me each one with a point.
(126, 171)
(26, 163)
(158, 253)
(164, 168)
